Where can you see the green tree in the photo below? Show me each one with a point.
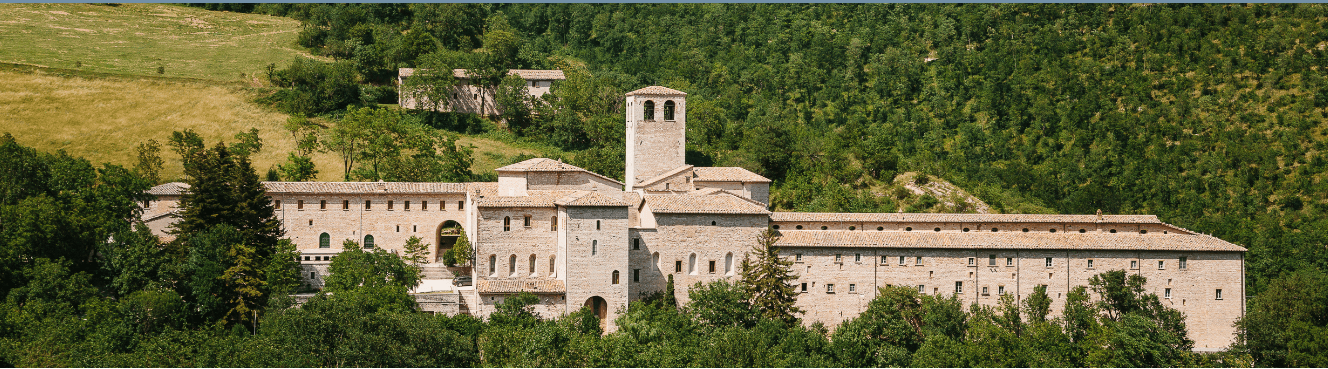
(768, 280)
(416, 251)
(244, 278)
(721, 304)
(1283, 326)
(247, 143)
(149, 161)
(1037, 305)
(460, 253)
(298, 169)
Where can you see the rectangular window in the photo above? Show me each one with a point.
(636, 275)
(636, 243)
(1161, 264)
(830, 288)
(526, 222)
(313, 275)
(1167, 293)
(918, 261)
(804, 287)
(322, 204)
(1219, 293)
(406, 206)
(991, 260)
(984, 290)
(1009, 261)
(1134, 264)
(1000, 290)
(839, 258)
(368, 204)
(345, 204)
(712, 267)
(885, 260)
(1090, 263)
(797, 258)
(1182, 262)
(901, 260)
(278, 205)
(857, 258)
(677, 266)
(424, 204)
(922, 289)
(854, 288)
(299, 204)
(972, 261)
(389, 204)
(959, 287)
(1048, 262)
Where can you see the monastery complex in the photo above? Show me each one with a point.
(576, 238)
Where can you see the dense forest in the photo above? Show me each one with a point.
(1210, 116)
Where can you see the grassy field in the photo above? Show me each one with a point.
(104, 118)
(139, 38)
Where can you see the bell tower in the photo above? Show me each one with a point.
(656, 132)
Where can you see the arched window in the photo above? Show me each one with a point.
(507, 224)
(553, 269)
(368, 241)
(668, 110)
(493, 265)
(324, 241)
(553, 224)
(532, 265)
(511, 265)
(691, 264)
(649, 111)
(615, 277)
(594, 247)
(654, 258)
(728, 263)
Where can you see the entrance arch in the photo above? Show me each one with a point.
(600, 308)
(446, 237)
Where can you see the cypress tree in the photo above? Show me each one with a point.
(768, 279)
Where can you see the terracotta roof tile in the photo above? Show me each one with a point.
(958, 218)
(365, 187)
(549, 165)
(169, 189)
(535, 199)
(520, 285)
(727, 174)
(591, 198)
(656, 90)
(665, 176)
(1043, 241)
(719, 203)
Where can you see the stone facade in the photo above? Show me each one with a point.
(578, 239)
(469, 98)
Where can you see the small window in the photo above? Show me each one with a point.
(804, 287)
(852, 287)
(668, 110)
(1167, 293)
(965, 229)
(712, 267)
(1025, 230)
(922, 289)
(345, 204)
(972, 261)
(880, 228)
(532, 264)
(901, 260)
(389, 204)
(313, 275)
(324, 241)
(714, 223)
(461, 205)
(991, 260)
(1182, 264)
(398, 228)
(636, 244)
(1161, 264)
(594, 247)
(507, 224)
(368, 204)
(368, 241)
(1081, 230)
(677, 266)
(1048, 262)
(526, 222)
(278, 205)
(1053, 230)
(728, 263)
(691, 264)
(908, 229)
(798, 227)
(830, 288)
(1009, 261)
(1143, 231)
(1134, 264)
(937, 229)
(306, 258)
(615, 277)
(918, 261)
(1090, 263)
(1000, 290)
(636, 275)
(984, 291)
(857, 258)
(648, 111)
(839, 258)
(995, 230)
(553, 224)
(424, 204)
(1112, 231)
(824, 228)
(511, 265)
(299, 204)
(597, 225)
(553, 270)
(852, 228)
(775, 227)
(797, 258)
(322, 204)
(311, 222)
(493, 262)
(959, 287)
(885, 260)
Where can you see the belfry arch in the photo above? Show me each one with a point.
(446, 237)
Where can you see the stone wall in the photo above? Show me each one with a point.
(597, 248)
(677, 237)
(654, 146)
(345, 217)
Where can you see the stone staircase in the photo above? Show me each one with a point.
(436, 271)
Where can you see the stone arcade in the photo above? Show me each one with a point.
(576, 238)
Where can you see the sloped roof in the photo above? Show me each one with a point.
(960, 218)
(665, 176)
(590, 198)
(534, 199)
(549, 165)
(365, 187)
(726, 174)
(984, 240)
(169, 189)
(719, 203)
(520, 285)
(656, 90)
(530, 74)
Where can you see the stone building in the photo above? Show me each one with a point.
(575, 238)
(467, 97)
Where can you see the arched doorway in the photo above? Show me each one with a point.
(447, 236)
(600, 308)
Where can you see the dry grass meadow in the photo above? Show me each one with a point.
(114, 99)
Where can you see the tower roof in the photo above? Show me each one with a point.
(656, 90)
